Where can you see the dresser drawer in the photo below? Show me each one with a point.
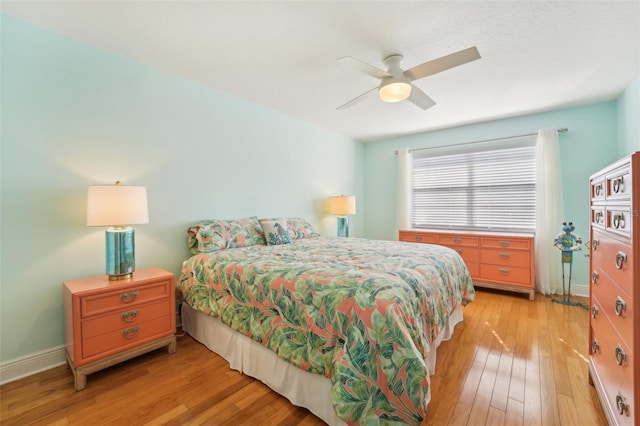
(467, 254)
(474, 269)
(618, 378)
(505, 257)
(124, 298)
(618, 184)
(126, 337)
(613, 257)
(506, 242)
(615, 305)
(618, 220)
(597, 189)
(597, 217)
(124, 318)
(418, 237)
(458, 240)
(506, 274)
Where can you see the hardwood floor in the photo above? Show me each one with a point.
(511, 362)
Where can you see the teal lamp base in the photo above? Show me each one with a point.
(343, 226)
(120, 252)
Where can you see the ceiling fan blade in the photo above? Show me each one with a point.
(420, 98)
(443, 63)
(357, 99)
(364, 67)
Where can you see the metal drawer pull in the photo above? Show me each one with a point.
(620, 355)
(505, 256)
(129, 316)
(457, 240)
(504, 271)
(621, 306)
(129, 297)
(595, 244)
(621, 257)
(597, 189)
(621, 404)
(594, 277)
(618, 220)
(594, 311)
(617, 185)
(130, 333)
(595, 347)
(598, 217)
(504, 243)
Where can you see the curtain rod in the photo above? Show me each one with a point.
(560, 130)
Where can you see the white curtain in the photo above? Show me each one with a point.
(549, 212)
(404, 190)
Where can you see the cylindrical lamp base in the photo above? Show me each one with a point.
(120, 252)
(343, 226)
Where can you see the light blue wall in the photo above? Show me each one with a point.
(590, 144)
(629, 119)
(74, 116)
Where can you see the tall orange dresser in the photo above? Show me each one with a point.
(107, 322)
(614, 324)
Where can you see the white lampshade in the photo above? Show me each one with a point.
(342, 205)
(395, 91)
(110, 205)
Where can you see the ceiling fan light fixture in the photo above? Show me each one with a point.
(394, 91)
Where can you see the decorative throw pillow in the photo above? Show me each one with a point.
(207, 236)
(299, 228)
(276, 232)
(245, 232)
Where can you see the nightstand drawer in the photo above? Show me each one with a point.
(505, 257)
(506, 274)
(126, 337)
(124, 318)
(124, 298)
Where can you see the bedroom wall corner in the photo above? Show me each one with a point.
(629, 119)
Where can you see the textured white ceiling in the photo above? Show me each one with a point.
(536, 55)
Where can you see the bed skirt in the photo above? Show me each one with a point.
(303, 389)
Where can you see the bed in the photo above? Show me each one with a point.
(346, 327)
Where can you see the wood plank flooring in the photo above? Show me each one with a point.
(511, 362)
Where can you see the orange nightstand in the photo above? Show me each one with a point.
(107, 322)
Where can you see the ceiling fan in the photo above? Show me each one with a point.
(395, 84)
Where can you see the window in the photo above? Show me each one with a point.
(492, 189)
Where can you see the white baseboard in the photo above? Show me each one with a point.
(31, 364)
(580, 290)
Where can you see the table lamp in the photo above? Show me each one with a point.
(118, 206)
(343, 206)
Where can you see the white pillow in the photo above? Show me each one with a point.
(276, 232)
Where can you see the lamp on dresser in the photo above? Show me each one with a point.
(343, 206)
(118, 207)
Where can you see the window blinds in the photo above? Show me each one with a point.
(489, 190)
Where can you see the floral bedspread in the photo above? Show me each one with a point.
(360, 312)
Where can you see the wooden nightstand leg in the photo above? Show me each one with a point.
(171, 347)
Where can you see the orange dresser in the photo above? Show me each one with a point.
(494, 260)
(615, 286)
(107, 322)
